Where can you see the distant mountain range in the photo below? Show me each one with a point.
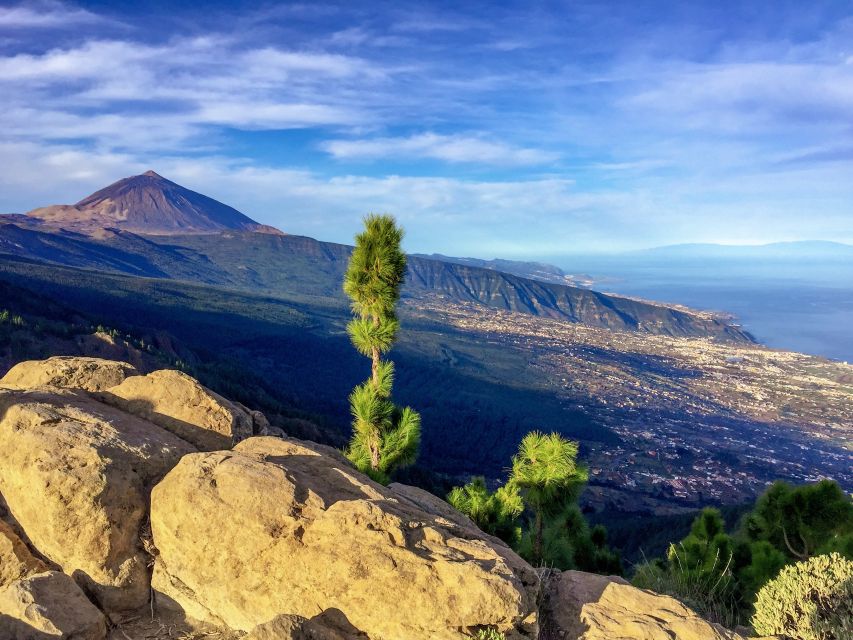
(149, 226)
(805, 249)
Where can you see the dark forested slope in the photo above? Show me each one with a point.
(296, 265)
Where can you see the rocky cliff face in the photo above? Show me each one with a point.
(462, 283)
(119, 518)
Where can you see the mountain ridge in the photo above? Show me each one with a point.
(789, 249)
(314, 269)
(188, 236)
(529, 269)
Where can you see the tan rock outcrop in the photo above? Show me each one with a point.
(72, 372)
(425, 501)
(16, 560)
(76, 475)
(585, 606)
(286, 527)
(256, 539)
(329, 625)
(179, 403)
(48, 606)
(110, 347)
(260, 424)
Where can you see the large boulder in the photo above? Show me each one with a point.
(48, 606)
(287, 527)
(76, 476)
(16, 560)
(72, 372)
(584, 606)
(260, 424)
(329, 625)
(425, 501)
(179, 403)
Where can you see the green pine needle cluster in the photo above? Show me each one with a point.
(496, 513)
(385, 436)
(546, 482)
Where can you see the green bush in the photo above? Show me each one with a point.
(495, 513)
(489, 634)
(803, 521)
(758, 563)
(810, 600)
(698, 571)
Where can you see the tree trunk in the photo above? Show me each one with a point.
(374, 376)
(537, 539)
(374, 457)
(802, 556)
(375, 357)
(374, 370)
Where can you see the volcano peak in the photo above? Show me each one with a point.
(148, 204)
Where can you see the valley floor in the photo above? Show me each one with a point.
(699, 420)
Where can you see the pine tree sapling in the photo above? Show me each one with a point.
(547, 481)
(707, 549)
(385, 437)
(547, 476)
(698, 570)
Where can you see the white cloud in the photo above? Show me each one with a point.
(44, 15)
(310, 203)
(94, 91)
(450, 148)
(280, 64)
(272, 115)
(525, 217)
(748, 97)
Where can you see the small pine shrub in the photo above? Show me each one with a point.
(810, 600)
(710, 591)
(495, 513)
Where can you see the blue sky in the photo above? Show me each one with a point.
(490, 129)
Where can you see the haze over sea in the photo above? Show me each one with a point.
(802, 304)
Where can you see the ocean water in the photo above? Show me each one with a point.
(798, 305)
